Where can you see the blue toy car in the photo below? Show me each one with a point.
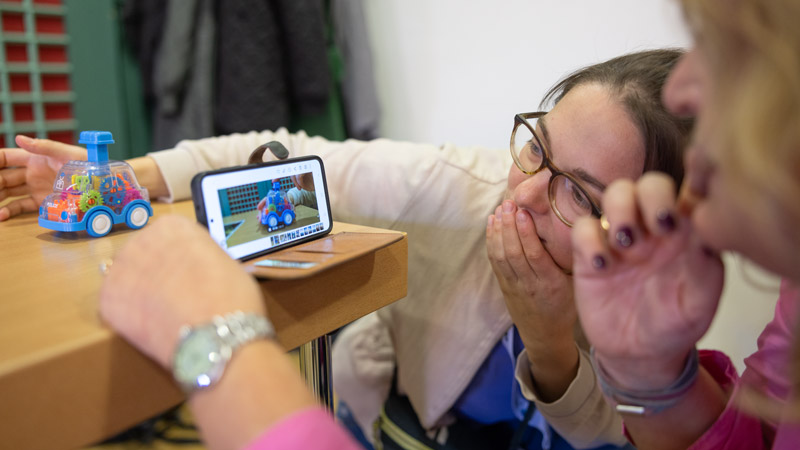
(95, 195)
(278, 210)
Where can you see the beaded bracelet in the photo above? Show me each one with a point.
(648, 402)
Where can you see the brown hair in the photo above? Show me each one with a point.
(637, 79)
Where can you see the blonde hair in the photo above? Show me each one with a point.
(753, 48)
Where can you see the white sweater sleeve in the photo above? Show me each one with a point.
(582, 415)
(369, 182)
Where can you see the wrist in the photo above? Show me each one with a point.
(204, 351)
(647, 401)
(149, 175)
(553, 373)
(643, 373)
(553, 354)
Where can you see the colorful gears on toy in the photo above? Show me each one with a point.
(89, 200)
(107, 184)
(131, 195)
(113, 200)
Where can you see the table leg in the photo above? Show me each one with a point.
(315, 365)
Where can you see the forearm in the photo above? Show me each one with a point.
(260, 387)
(553, 365)
(685, 422)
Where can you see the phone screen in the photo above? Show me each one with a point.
(256, 209)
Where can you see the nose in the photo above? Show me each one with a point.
(682, 94)
(532, 193)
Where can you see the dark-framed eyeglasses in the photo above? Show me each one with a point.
(568, 198)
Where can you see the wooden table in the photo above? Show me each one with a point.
(67, 381)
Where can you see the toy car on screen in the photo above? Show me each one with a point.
(95, 195)
(277, 210)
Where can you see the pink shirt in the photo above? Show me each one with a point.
(310, 428)
(768, 372)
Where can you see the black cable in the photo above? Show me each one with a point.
(519, 433)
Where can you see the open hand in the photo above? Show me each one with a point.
(28, 172)
(537, 292)
(646, 289)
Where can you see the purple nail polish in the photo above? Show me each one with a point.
(598, 262)
(624, 237)
(665, 219)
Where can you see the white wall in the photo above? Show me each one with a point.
(458, 70)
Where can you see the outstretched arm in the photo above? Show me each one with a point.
(28, 172)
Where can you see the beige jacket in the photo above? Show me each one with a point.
(454, 313)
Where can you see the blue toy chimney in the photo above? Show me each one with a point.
(97, 144)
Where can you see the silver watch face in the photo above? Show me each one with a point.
(200, 358)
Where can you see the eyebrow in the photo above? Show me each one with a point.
(580, 173)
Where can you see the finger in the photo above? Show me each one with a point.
(655, 195)
(18, 207)
(590, 252)
(538, 258)
(13, 157)
(495, 246)
(12, 177)
(15, 191)
(512, 246)
(694, 185)
(621, 212)
(687, 200)
(53, 149)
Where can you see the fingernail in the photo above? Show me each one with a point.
(491, 221)
(522, 217)
(24, 138)
(508, 206)
(624, 237)
(666, 220)
(598, 262)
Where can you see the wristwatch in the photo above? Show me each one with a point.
(204, 351)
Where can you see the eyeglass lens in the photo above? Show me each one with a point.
(567, 197)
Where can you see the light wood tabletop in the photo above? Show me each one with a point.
(67, 381)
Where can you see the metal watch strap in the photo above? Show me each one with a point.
(230, 332)
(239, 328)
(641, 402)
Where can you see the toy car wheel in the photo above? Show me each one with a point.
(288, 218)
(137, 217)
(99, 224)
(272, 220)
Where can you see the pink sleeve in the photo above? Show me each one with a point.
(767, 373)
(310, 428)
(733, 429)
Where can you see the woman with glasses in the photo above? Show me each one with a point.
(437, 368)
